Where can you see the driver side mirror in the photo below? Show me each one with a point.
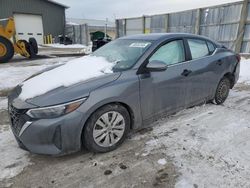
(156, 66)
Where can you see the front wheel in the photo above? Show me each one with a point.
(6, 50)
(222, 91)
(107, 128)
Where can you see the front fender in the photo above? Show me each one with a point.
(124, 90)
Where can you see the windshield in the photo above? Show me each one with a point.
(123, 52)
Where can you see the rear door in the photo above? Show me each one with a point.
(202, 78)
(162, 92)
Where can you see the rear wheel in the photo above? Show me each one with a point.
(6, 50)
(107, 128)
(33, 43)
(222, 91)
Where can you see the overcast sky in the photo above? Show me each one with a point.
(111, 9)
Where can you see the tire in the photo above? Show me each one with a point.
(6, 50)
(94, 138)
(222, 91)
(29, 49)
(33, 43)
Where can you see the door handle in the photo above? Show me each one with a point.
(186, 72)
(219, 62)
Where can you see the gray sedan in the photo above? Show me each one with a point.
(153, 76)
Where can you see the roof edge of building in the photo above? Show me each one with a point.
(56, 3)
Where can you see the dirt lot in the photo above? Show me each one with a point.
(204, 146)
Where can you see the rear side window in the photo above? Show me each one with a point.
(170, 53)
(211, 47)
(198, 48)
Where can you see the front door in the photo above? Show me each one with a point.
(162, 92)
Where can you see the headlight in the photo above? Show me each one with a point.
(55, 111)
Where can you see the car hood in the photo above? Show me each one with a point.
(62, 94)
(74, 92)
(64, 83)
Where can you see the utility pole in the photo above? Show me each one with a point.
(243, 19)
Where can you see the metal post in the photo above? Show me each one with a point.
(74, 34)
(117, 29)
(80, 34)
(243, 18)
(86, 34)
(105, 31)
(64, 27)
(143, 24)
(166, 22)
(197, 22)
(125, 27)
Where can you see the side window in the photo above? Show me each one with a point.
(211, 47)
(170, 53)
(198, 48)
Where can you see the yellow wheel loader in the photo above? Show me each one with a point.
(22, 47)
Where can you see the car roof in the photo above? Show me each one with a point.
(164, 36)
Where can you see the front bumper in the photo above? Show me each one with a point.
(56, 136)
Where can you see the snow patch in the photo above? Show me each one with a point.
(184, 183)
(57, 45)
(150, 146)
(13, 159)
(162, 161)
(73, 72)
(12, 76)
(3, 103)
(245, 71)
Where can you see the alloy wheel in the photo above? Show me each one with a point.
(109, 129)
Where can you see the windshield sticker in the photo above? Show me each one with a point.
(139, 45)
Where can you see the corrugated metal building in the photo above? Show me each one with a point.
(35, 18)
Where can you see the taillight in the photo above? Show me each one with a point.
(238, 57)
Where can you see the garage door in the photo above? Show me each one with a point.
(28, 25)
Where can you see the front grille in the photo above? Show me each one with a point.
(17, 119)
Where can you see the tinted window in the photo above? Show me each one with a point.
(170, 53)
(198, 48)
(211, 47)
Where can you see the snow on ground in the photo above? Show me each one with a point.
(57, 45)
(78, 48)
(245, 71)
(13, 159)
(162, 161)
(209, 144)
(75, 71)
(12, 74)
(3, 103)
